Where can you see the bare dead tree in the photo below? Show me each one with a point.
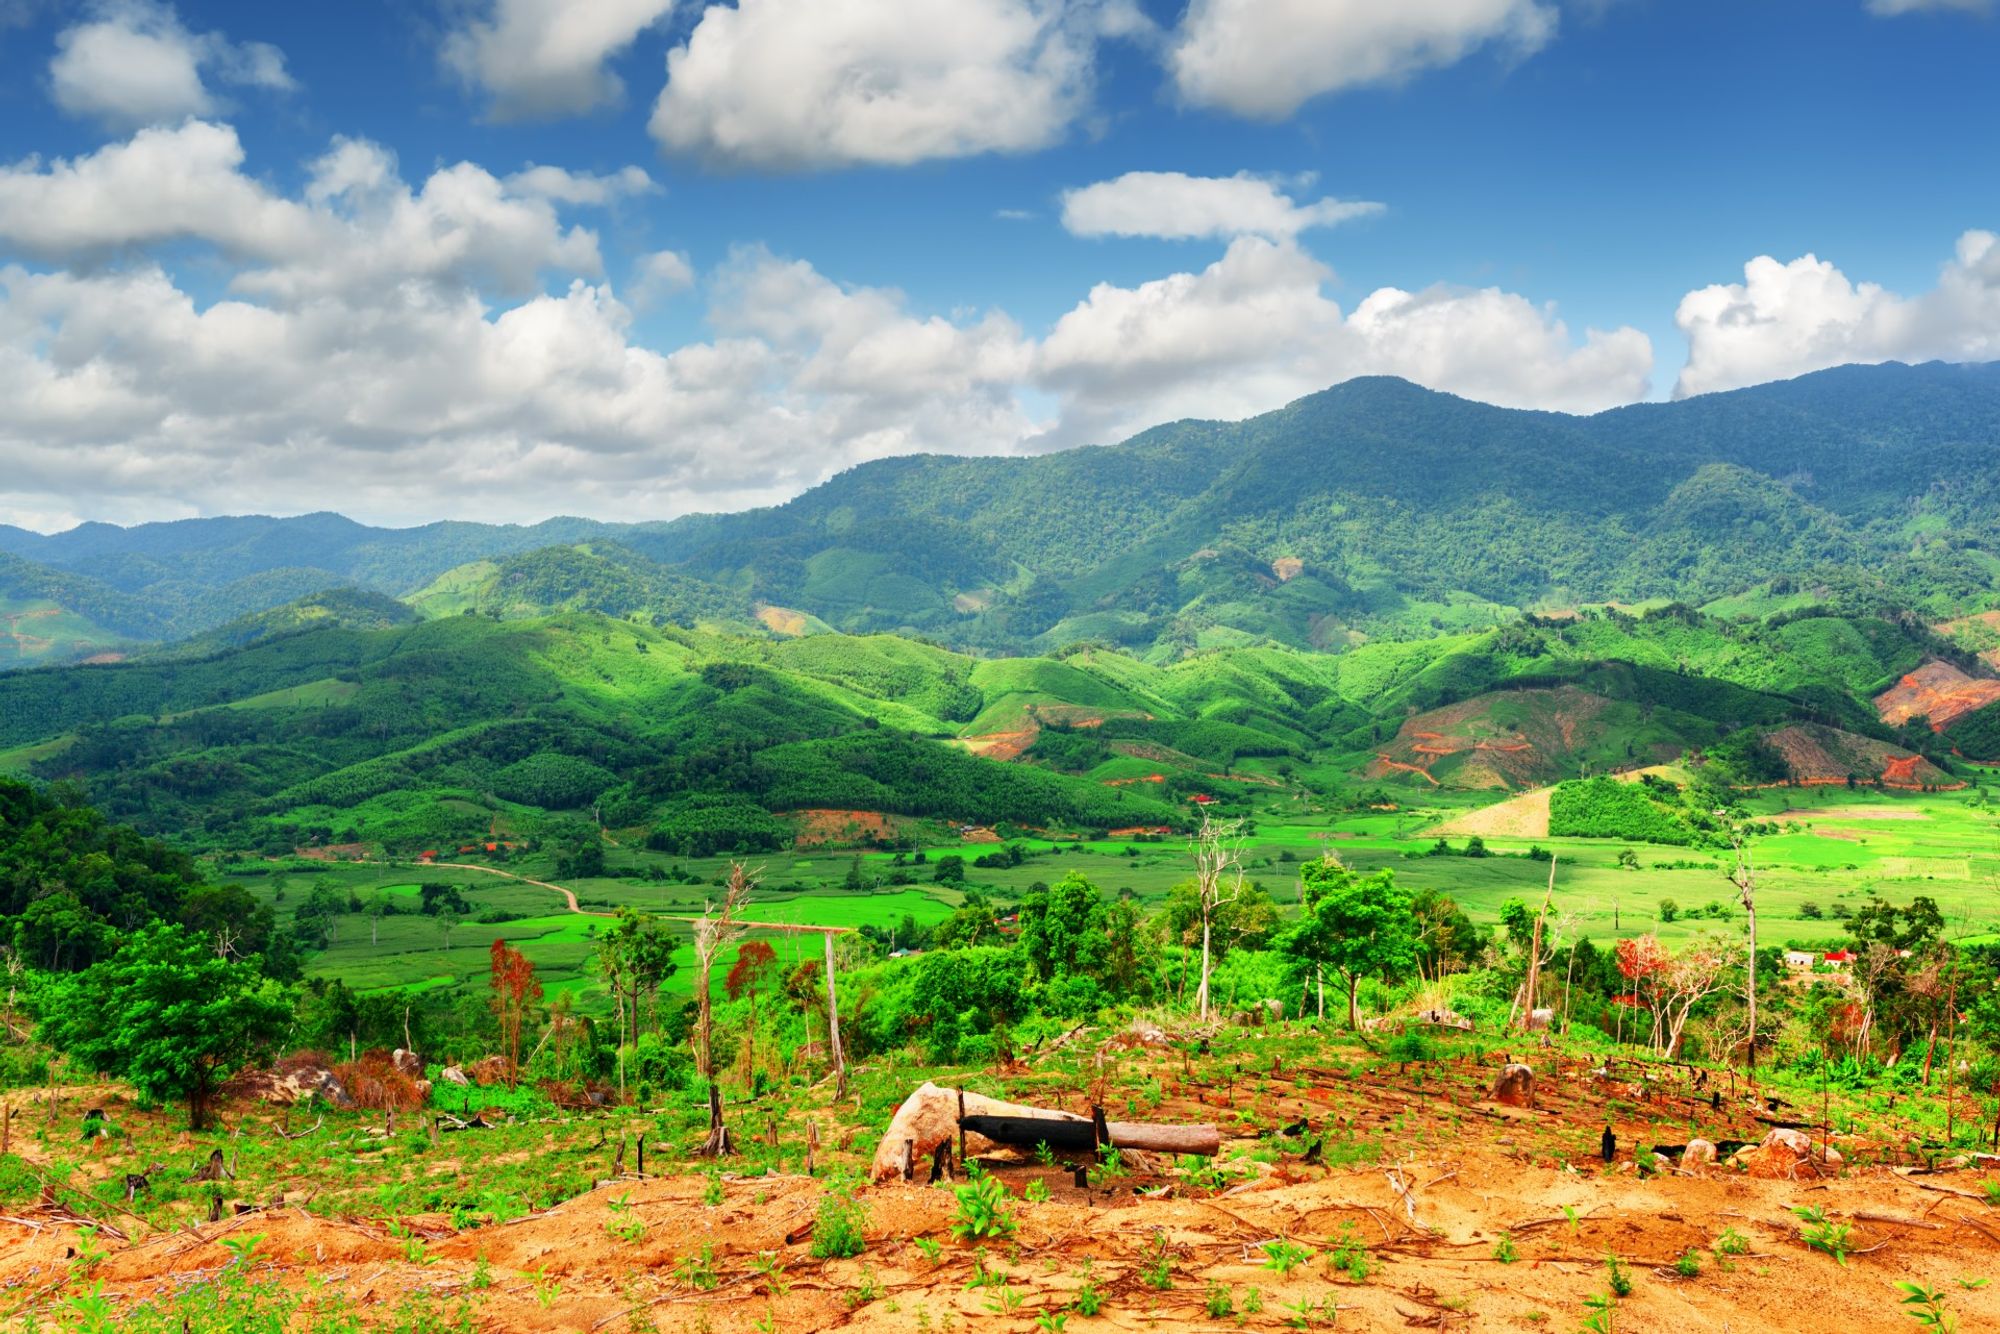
(1218, 879)
(713, 932)
(1532, 984)
(1687, 979)
(1744, 877)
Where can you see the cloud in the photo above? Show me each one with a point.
(1892, 8)
(133, 63)
(542, 59)
(660, 275)
(1256, 329)
(802, 84)
(1180, 207)
(1265, 58)
(570, 187)
(357, 225)
(1786, 319)
(402, 349)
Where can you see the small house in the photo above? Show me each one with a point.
(1800, 958)
(1838, 958)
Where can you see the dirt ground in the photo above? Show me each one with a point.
(1433, 1250)
(1464, 1215)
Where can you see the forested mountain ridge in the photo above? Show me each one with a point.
(1373, 508)
(415, 734)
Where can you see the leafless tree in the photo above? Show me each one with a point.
(1744, 876)
(714, 931)
(1218, 878)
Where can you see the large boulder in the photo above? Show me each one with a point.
(1699, 1153)
(1786, 1154)
(1541, 1018)
(1515, 1087)
(291, 1082)
(1274, 1010)
(451, 1074)
(408, 1062)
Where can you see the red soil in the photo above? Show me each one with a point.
(820, 827)
(1937, 691)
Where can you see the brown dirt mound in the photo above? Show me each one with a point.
(1464, 745)
(1825, 757)
(1937, 691)
(782, 620)
(819, 827)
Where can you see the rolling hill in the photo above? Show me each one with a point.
(1374, 509)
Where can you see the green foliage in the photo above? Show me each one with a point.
(165, 1014)
(1637, 812)
(982, 1211)
(840, 1226)
(1354, 925)
(1822, 1234)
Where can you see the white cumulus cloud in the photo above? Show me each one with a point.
(133, 62)
(1177, 206)
(540, 59)
(1786, 319)
(1264, 58)
(794, 84)
(403, 349)
(1256, 329)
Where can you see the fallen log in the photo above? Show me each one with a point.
(1025, 1132)
(930, 1115)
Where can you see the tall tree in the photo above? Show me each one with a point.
(753, 959)
(165, 1014)
(1357, 926)
(515, 988)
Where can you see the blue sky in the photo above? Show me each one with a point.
(283, 257)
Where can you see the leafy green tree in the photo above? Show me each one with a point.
(165, 1014)
(949, 870)
(1354, 925)
(1669, 910)
(1062, 928)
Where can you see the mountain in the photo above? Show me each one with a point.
(1374, 509)
(345, 719)
(603, 577)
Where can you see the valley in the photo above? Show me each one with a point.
(425, 875)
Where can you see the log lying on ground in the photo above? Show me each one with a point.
(1025, 1132)
(929, 1117)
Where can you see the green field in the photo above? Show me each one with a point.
(1828, 854)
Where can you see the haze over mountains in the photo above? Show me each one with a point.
(1373, 509)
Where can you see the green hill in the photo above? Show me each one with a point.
(601, 577)
(1373, 510)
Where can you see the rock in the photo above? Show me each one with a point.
(1779, 1156)
(1698, 1153)
(1830, 1157)
(1274, 1010)
(1515, 1087)
(488, 1070)
(293, 1081)
(1541, 1018)
(451, 1074)
(1441, 1018)
(1662, 1163)
(408, 1062)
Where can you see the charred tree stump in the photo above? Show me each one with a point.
(909, 1160)
(717, 1143)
